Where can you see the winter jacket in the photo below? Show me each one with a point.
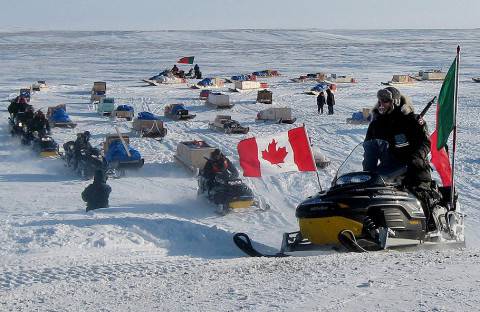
(330, 98)
(96, 194)
(320, 100)
(409, 142)
(213, 167)
(14, 108)
(41, 125)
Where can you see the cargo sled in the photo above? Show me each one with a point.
(58, 117)
(241, 78)
(119, 156)
(360, 118)
(124, 111)
(39, 85)
(219, 100)
(204, 94)
(245, 85)
(267, 73)
(209, 83)
(321, 87)
(334, 78)
(149, 125)
(319, 77)
(226, 124)
(265, 97)
(99, 91)
(400, 80)
(177, 112)
(476, 79)
(193, 154)
(106, 106)
(277, 114)
(429, 75)
(44, 145)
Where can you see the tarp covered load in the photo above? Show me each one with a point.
(116, 152)
(147, 116)
(266, 73)
(177, 108)
(320, 87)
(206, 82)
(60, 115)
(124, 108)
(242, 77)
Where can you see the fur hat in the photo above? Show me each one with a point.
(395, 95)
(385, 95)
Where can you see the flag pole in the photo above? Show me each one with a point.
(454, 138)
(313, 157)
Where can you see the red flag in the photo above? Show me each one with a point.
(441, 161)
(186, 60)
(283, 152)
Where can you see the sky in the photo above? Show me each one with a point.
(237, 14)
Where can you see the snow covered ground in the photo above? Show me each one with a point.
(159, 248)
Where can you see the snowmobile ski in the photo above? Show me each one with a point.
(245, 244)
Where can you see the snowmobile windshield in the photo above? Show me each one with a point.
(368, 160)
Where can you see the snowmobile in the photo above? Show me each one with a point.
(17, 123)
(228, 192)
(87, 164)
(44, 145)
(368, 211)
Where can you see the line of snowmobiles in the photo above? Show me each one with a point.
(42, 143)
(368, 211)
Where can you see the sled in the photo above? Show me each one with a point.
(264, 97)
(399, 80)
(209, 83)
(99, 91)
(225, 124)
(39, 85)
(360, 118)
(52, 111)
(149, 128)
(277, 114)
(476, 79)
(117, 167)
(177, 112)
(193, 154)
(429, 75)
(218, 100)
(106, 106)
(245, 85)
(334, 78)
(124, 111)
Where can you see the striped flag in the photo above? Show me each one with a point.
(186, 60)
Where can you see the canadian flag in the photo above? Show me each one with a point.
(283, 152)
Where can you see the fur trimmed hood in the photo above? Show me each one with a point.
(405, 107)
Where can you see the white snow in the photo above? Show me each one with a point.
(158, 247)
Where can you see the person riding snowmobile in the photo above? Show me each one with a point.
(217, 164)
(39, 124)
(19, 104)
(82, 148)
(396, 138)
(96, 194)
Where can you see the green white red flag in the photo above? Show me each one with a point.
(186, 60)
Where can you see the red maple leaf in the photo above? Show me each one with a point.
(274, 155)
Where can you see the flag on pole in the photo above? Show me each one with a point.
(186, 60)
(445, 107)
(441, 161)
(282, 152)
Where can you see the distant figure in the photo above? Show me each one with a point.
(96, 194)
(190, 73)
(198, 73)
(174, 69)
(330, 101)
(320, 102)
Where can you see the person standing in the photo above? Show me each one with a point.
(96, 194)
(330, 101)
(320, 102)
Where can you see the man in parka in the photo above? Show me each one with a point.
(96, 194)
(403, 139)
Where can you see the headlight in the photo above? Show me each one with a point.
(20, 124)
(352, 179)
(235, 182)
(45, 139)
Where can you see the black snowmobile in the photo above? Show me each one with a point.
(228, 192)
(17, 123)
(44, 145)
(88, 162)
(366, 211)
